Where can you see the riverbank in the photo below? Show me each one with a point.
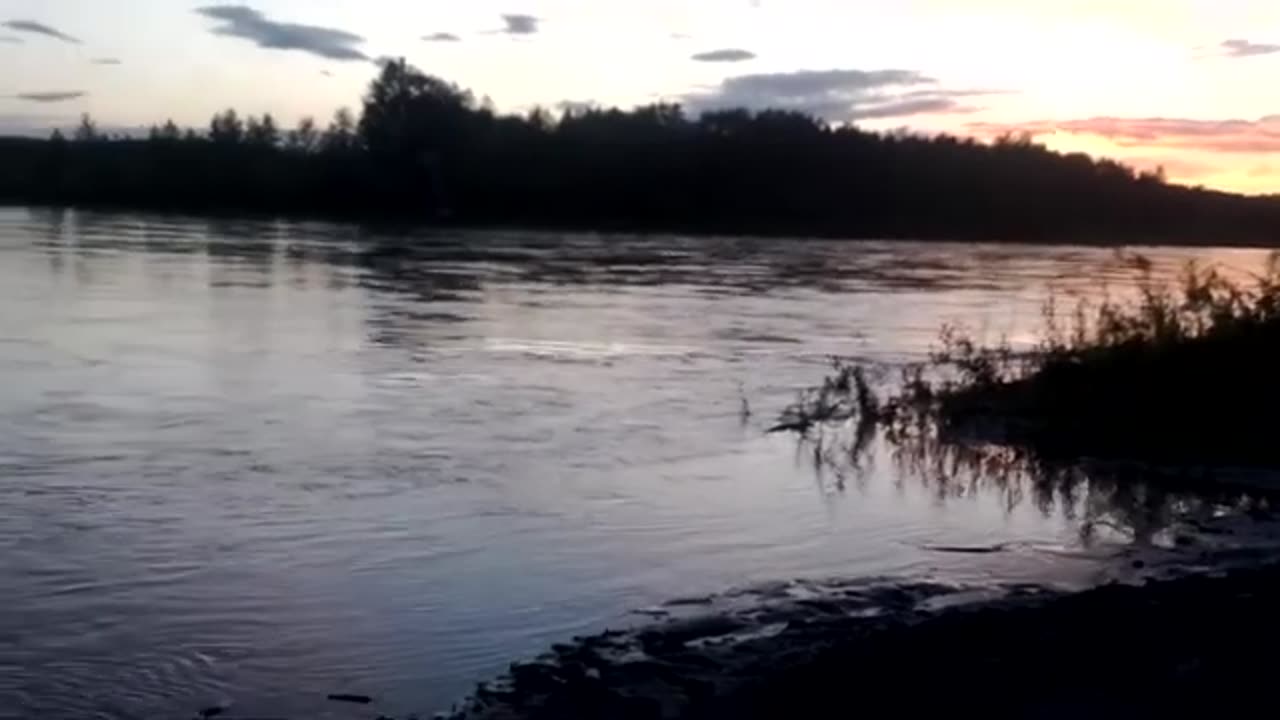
(1194, 645)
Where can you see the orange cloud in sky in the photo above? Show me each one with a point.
(1228, 154)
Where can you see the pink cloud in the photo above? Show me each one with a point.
(1239, 48)
(1226, 136)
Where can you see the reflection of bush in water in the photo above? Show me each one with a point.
(1164, 379)
(1142, 504)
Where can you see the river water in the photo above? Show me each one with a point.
(260, 462)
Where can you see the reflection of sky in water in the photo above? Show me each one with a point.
(270, 461)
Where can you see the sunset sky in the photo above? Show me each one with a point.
(1185, 84)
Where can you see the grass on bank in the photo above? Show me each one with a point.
(1183, 374)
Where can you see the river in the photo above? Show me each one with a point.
(259, 462)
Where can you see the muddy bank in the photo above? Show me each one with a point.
(1196, 642)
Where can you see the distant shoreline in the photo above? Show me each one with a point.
(408, 221)
(421, 149)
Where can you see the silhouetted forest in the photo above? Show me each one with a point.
(422, 148)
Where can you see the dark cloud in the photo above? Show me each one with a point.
(51, 96)
(1243, 48)
(1229, 136)
(725, 55)
(836, 95)
(31, 26)
(244, 22)
(105, 61)
(520, 24)
(941, 104)
(442, 37)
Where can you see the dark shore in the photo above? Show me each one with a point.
(421, 149)
(1198, 645)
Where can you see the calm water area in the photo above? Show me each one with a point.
(260, 462)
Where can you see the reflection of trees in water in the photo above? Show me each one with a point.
(259, 254)
(1141, 503)
(441, 271)
(446, 269)
(250, 245)
(430, 262)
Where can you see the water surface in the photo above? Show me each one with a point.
(263, 462)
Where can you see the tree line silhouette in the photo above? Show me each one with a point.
(424, 149)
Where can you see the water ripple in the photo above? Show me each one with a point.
(258, 461)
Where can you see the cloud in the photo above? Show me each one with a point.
(327, 73)
(32, 125)
(51, 96)
(725, 55)
(31, 26)
(1243, 48)
(836, 95)
(105, 61)
(907, 107)
(40, 123)
(1225, 136)
(244, 22)
(442, 37)
(520, 25)
(10, 40)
